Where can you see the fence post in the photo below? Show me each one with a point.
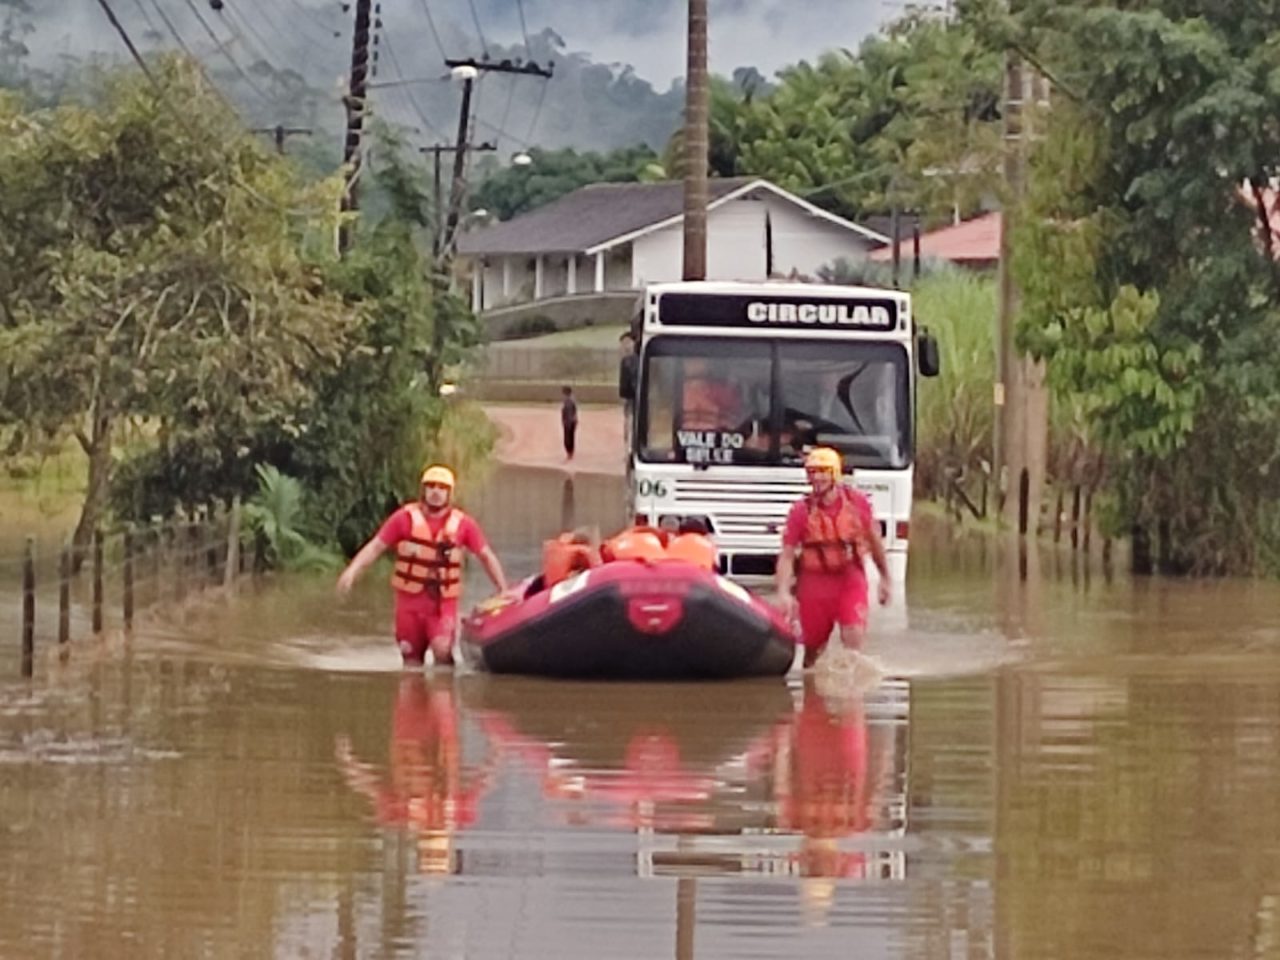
(97, 580)
(194, 525)
(212, 536)
(156, 537)
(128, 577)
(233, 544)
(1088, 517)
(64, 595)
(29, 608)
(179, 559)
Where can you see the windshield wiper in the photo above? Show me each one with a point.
(844, 388)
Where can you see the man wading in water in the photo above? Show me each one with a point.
(831, 531)
(428, 537)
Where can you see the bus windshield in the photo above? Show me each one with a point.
(712, 401)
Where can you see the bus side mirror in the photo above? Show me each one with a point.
(627, 377)
(928, 359)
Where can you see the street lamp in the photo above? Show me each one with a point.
(465, 72)
(521, 159)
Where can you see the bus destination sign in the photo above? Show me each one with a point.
(764, 311)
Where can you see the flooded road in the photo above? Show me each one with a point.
(1064, 764)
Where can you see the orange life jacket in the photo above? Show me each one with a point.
(834, 543)
(708, 404)
(427, 562)
(562, 556)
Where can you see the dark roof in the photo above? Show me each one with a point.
(589, 216)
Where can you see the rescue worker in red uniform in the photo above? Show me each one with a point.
(829, 534)
(428, 537)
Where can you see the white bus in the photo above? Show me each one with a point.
(732, 383)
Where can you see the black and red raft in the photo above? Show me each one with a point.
(630, 620)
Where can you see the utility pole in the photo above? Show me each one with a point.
(280, 133)
(1020, 437)
(438, 209)
(696, 117)
(355, 103)
(468, 71)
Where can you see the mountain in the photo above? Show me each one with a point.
(285, 61)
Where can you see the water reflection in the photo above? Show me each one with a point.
(425, 790)
(1079, 768)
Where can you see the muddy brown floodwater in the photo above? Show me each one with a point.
(1063, 764)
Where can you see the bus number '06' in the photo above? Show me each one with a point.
(652, 488)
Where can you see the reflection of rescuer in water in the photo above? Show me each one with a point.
(426, 789)
(825, 781)
(428, 537)
(828, 535)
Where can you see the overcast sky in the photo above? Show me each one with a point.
(649, 34)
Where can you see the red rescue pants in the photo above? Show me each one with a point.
(827, 600)
(424, 622)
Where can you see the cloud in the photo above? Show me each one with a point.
(650, 34)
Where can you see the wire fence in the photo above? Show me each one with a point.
(125, 571)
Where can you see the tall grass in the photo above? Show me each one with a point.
(465, 441)
(955, 410)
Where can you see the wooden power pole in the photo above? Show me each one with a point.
(357, 92)
(1021, 426)
(696, 118)
(469, 71)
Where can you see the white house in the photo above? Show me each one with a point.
(608, 239)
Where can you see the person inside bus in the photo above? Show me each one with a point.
(709, 400)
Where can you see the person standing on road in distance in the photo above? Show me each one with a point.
(428, 537)
(829, 533)
(568, 420)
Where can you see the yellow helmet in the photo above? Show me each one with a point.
(824, 458)
(438, 474)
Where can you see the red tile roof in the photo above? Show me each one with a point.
(974, 243)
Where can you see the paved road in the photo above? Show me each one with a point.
(531, 438)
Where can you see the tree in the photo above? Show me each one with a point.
(1149, 270)
(358, 433)
(151, 271)
(907, 120)
(554, 173)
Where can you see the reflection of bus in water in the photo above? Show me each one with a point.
(733, 382)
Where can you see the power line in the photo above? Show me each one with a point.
(537, 111)
(310, 15)
(524, 26)
(226, 53)
(511, 93)
(475, 16)
(163, 98)
(413, 101)
(247, 23)
(172, 29)
(128, 42)
(499, 131)
(434, 32)
(292, 34)
(146, 16)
